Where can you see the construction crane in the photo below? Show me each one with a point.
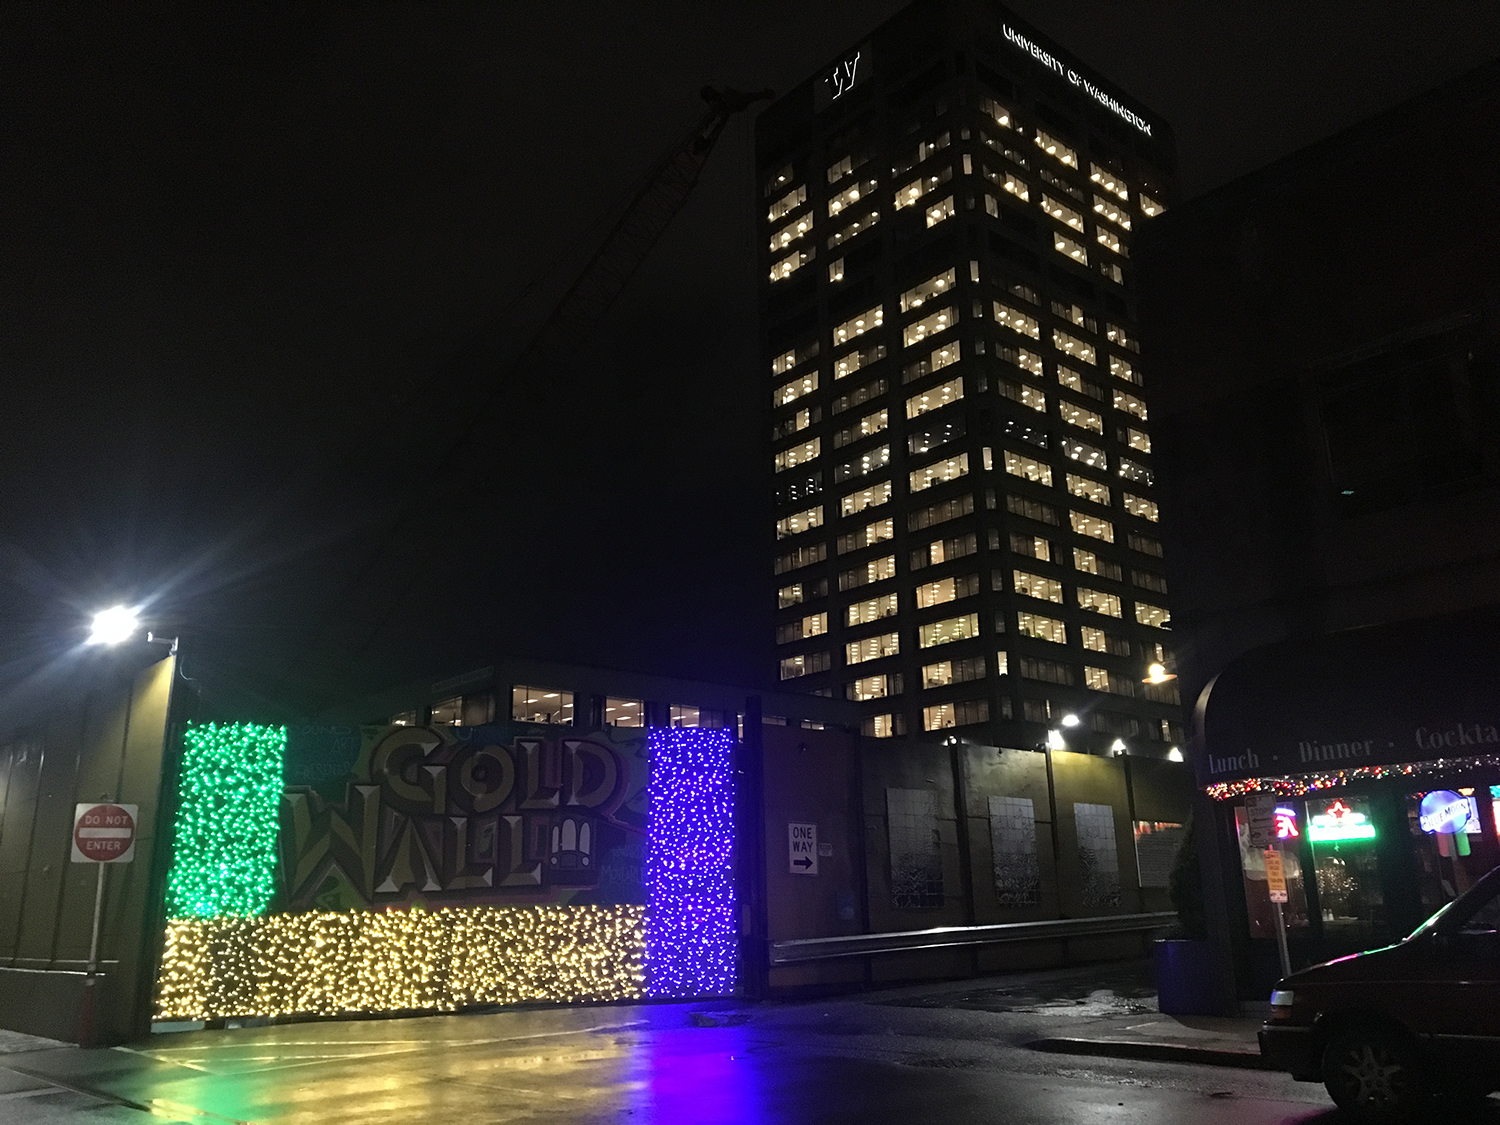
(397, 564)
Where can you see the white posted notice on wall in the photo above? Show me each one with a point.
(802, 849)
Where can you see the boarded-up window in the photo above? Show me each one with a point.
(916, 852)
(1018, 876)
(1098, 860)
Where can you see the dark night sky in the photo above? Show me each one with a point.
(241, 241)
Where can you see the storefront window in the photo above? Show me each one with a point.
(1342, 835)
(1453, 848)
(1253, 867)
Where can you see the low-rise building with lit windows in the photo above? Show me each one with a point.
(965, 529)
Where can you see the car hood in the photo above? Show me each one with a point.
(1372, 964)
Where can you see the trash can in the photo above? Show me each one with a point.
(1186, 983)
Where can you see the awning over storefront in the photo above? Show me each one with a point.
(1412, 691)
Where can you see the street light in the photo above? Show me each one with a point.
(1070, 720)
(1174, 755)
(1158, 674)
(113, 625)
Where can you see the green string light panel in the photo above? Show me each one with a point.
(224, 854)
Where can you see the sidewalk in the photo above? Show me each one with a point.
(1205, 1040)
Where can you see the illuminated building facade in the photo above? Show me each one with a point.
(965, 527)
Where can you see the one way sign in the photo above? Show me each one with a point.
(802, 849)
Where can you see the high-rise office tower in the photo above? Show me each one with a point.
(965, 531)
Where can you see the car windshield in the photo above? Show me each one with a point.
(1487, 889)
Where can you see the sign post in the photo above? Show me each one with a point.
(102, 834)
(802, 849)
(1260, 812)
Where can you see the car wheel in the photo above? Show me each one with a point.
(1374, 1077)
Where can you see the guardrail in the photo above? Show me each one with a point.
(800, 950)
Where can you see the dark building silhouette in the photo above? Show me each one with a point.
(965, 514)
(1323, 336)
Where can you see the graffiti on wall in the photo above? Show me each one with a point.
(447, 815)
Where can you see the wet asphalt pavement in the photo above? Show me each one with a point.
(950, 1053)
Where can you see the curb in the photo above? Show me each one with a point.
(1153, 1052)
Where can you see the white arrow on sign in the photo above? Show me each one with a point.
(802, 849)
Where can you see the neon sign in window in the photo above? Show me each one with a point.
(1339, 823)
(1286, 824)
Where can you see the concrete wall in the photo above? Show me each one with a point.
(108, 746)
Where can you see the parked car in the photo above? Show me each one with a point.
(1390, 1030)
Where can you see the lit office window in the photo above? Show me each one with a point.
(964, 671)
(793, 262)
(935, 435)
(1106, 237)
(1093, 639)
(541, 705)
(874, 687)
(624, 712)
(1133, 472)
(1065, 245)
(1101, 679)
(1087, 454)
(869, 424)
(1055, 148)
(868, 573)
(798, 454)
(1061, 212)
(870, 497)
(1098, 601)
(1138, 439)
(683, 715)
(1108, 180)
(882, 726)
(1090, 563)
(1111, 210)
(944, 590)
(939, 471)
(944, 550)
(1150, 207)
(1074, 314)
(939, 211)
(1089, 489)
(933, 323)
(909, 194)
(1153, 615)
(795, 594)
(1122, 370)
(804, 665)
(794, 390)
(872, 609)
(870, 461)
(1130, 404)
(858, 325)
(1037, 586)
(836, 270)
(1018, 321)
(778, 180)
(791, 232)
(813, 625)
(919, 295)
(960, 713)
(1140, 506)
(858, 226)
(1040, 628)
(1011, 183)
(939, 358)
(872, 648)
(788, 203)
(1070, 379)
(996, 112)
(1031, 546)
(1025, 360)
(1076, 415)
(795, 423)
(867, 536)
(798, 522)
(841, 168)
(1117, 335)
(949, 629)
(934, 397)
(850, 362)
(1028, 468)
(850, 196)
(932, 147)
(1092, 526)
(800, 557)
(1080, 350)
(794, 357)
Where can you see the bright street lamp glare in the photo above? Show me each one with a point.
(1070, 720)
(113, 625)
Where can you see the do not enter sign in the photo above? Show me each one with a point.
(104, 833)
